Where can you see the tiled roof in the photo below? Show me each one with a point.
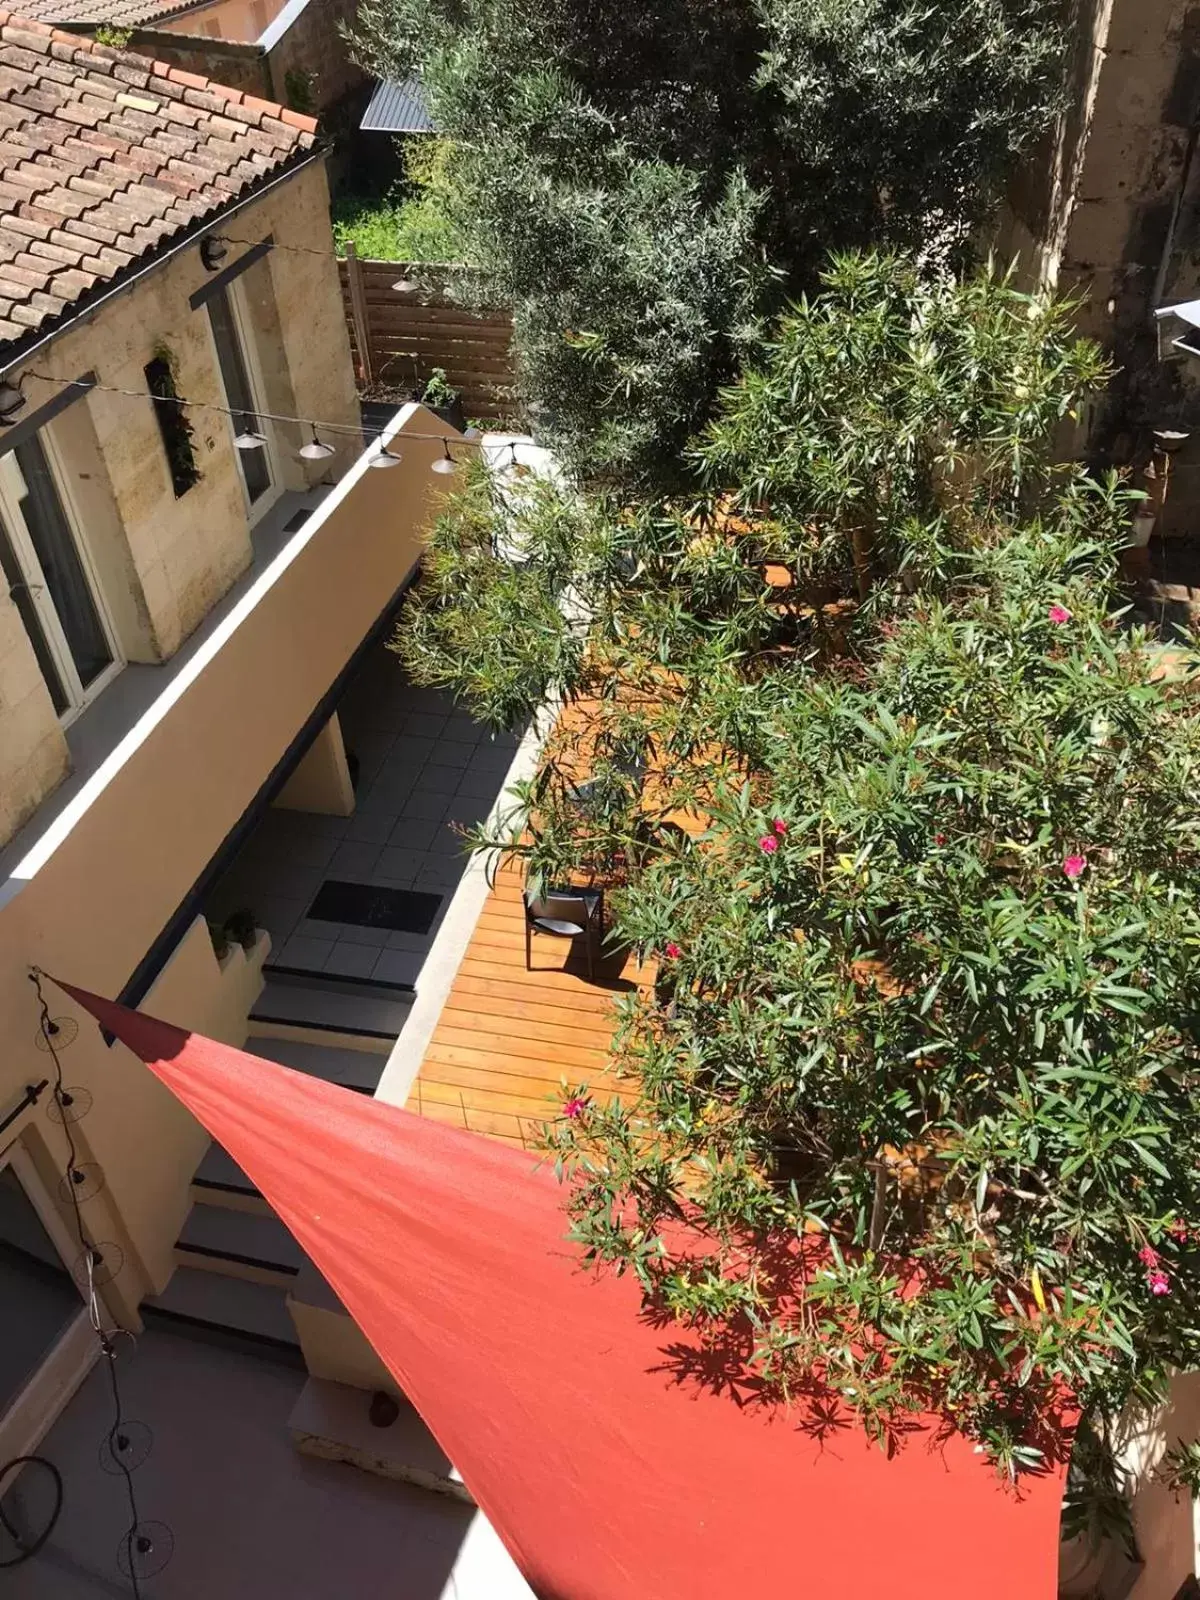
(105, 155)
(111, 13)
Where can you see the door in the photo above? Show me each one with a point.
(49, 577)
(240, 381)
(47, 1343)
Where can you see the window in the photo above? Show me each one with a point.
(41, 1301)
(174, 426)
(255, 461)
(48, 577)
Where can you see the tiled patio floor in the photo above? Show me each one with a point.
(425, 769)
(250, 1517)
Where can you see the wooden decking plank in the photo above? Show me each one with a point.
(508, 1039)
(518, 1006)
(485, 1079)
(519, 1025)
(579, 999)
(487, 965)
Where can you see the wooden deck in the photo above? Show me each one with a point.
(508, 1039)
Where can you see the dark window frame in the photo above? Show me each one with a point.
(174, 428)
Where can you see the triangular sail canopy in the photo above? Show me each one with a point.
(607, 1476)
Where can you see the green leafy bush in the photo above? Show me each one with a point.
(412, 220)
(644, 185)
(927, 962)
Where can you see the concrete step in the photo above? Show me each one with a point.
(365, 1043)
(332, 1421)
(353, 1069)
(339, 983)
(363, 1012)
(229, 1311)
(239, 1244)
(219, 1181)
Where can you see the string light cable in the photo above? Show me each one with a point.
(473, 436)
(81, 1180)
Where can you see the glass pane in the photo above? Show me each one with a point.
(58, 555)
(238, 393)
(22, 596)
(38, 1298)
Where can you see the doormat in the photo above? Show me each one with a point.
(296, 521)
(364, 905)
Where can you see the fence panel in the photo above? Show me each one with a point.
(407, 335)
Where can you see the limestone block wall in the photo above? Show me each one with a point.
(1110, 210)
(33, 751)
(163, 562)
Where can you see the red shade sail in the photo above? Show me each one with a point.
(607, 1476)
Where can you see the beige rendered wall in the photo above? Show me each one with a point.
(163, 562)
(1164, 1523)
(321, 783)
(89, 902)
(241, 20)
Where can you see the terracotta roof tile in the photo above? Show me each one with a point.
(104, 155)
(116, 13)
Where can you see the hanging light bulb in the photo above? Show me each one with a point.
(250, 439)
(316, 449)
(385, 458)
(445, 463)
(473, 434)
(405, 286)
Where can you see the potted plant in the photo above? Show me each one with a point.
(242, 928)
(444, 400)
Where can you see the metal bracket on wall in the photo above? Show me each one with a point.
(33, 1093)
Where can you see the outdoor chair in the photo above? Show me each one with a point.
(565, 914)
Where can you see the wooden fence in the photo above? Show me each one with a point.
(399, 338)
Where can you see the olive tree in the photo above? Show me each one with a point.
(644, 185)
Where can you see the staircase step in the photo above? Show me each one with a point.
(239, 1244)
(227, 1310)
(353, 1069)
(332, 1422)
(366, 1012)
(219, 1181)
(340, 983)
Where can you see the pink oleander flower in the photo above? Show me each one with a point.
(575, 1108)
(939, 838)
(1159, 1283)
(1148, 1255)
(674, 951)
(1074, 867)
(1179, 1231)
(1059, 614)
(780, 827)
(768, 844)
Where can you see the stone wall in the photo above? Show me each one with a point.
(240, 66)
(1110, 210)
(307, 66)
(313, 50)
(164, 562)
